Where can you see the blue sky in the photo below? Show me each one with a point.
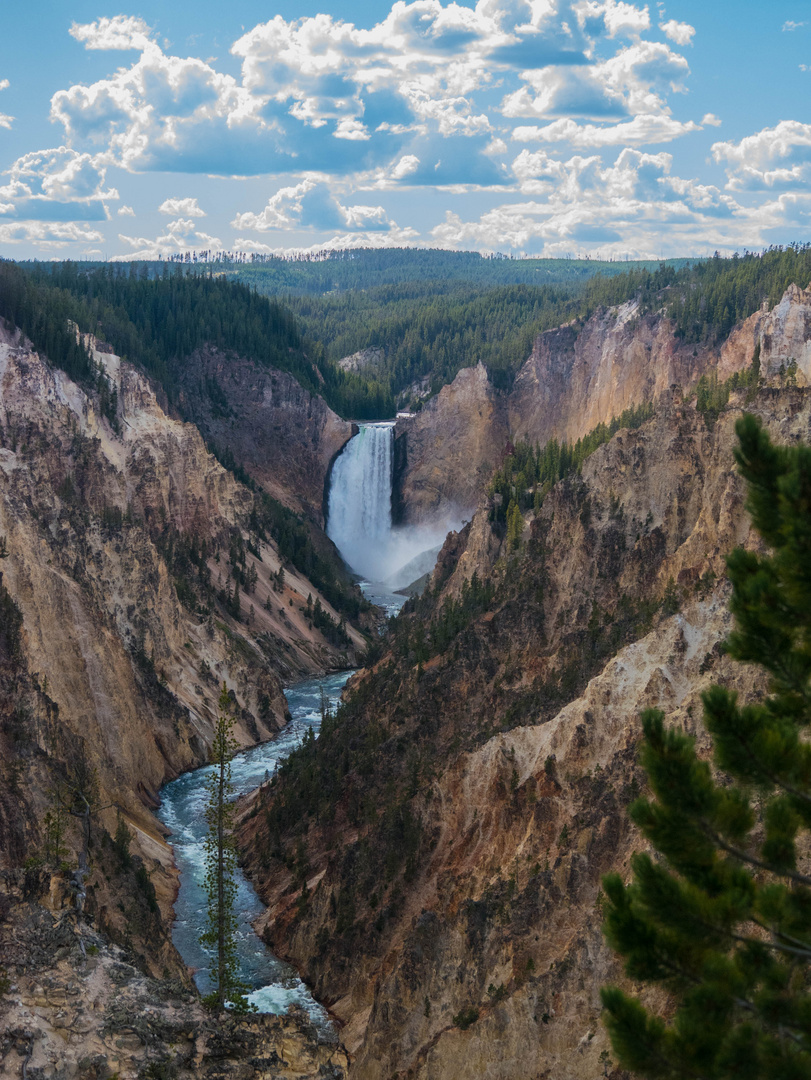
(546, 127)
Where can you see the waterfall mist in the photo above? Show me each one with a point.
(359, 512)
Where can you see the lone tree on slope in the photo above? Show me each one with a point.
(724, 919)
(220, 935)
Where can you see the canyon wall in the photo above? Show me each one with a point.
(283, 435)
(452, 918)
(118, 541)
(578, 376)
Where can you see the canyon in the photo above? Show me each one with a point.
(446, 908)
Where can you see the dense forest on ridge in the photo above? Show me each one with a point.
(427, 329)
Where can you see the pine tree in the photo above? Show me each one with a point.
(220, 935)
(723, 920)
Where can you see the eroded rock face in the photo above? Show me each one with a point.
(283, 435)
(125, 667)
(577, 377)
(67, 1017)
(445, 452)
(515, 750)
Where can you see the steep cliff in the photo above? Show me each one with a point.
(283, 435)
(143, 579)
(445, 452)
(578, 376)
(467, 799)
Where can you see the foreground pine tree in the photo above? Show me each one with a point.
(723, 920)
(220, 936)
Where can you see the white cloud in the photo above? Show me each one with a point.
(56, 184)
(636, 80)
(681, 33)
(580, 204)
(645, 129)
(619, 18)
(778, 157)
(120, 32)
(320, 94)
(407, 165)
(710, 120)
(180, 235)
(48, 235)
(790, 24)
(312, 205)
(126, 211)
(176, 207)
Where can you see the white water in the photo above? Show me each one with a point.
(359, 510)
(359, 513)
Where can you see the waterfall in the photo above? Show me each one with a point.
(359, 507)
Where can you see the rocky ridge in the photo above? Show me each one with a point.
(66, 1016)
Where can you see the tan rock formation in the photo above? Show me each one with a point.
(577, 377)
(66, 1017)
(128, 675)
(445, 452)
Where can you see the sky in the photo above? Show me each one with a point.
(538, 127)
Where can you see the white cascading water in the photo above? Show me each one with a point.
(359, 508)
(359, 515)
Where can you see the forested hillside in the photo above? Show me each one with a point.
(158, 322)
(430, 313)
(431, 329)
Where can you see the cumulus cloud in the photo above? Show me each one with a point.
(180, 235)
(774, 158)
(580, 203)
(126, 211)
(790, 25)
(681, 33)
(645, 129)
(56, 184)
(120, 32)
(637, 79)
(48, 235)
(320, 94)
(177, 207)
(312, 205)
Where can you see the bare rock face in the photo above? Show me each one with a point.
(365, 358)
(284, 436)
(445, 452)
(70, 1017)
(578, 376)
(785, 334)
(124, 659)
(516, 746)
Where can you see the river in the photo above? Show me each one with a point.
(273, 984)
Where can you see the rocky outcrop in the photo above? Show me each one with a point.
(578, 376)
(66, 1016)
(371, 357)
(444, 453)
(452, 921)
(283, 435)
